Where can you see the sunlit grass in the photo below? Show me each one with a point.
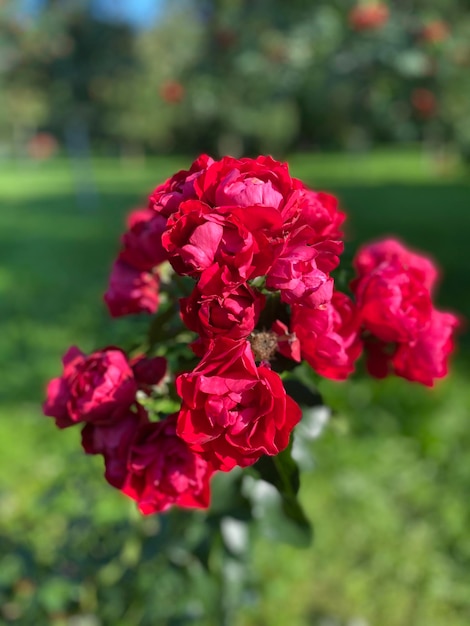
(28, 179)
(412, 166)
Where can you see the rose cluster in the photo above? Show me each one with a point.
(145, 459)
(260, 248)
(404, 332)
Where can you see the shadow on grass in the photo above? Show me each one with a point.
(54, 265)
(434, 219)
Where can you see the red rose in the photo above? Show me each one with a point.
(329, 336)
(394, 304)
(393, 291)
(233, 316)
(379, 356)
(427, 357)
(167, 197)
(317, 213)
(98, 388)
(142, 243)
(245, 182)
(148, 372)
(328, 252)
(370, 256)
(114, 442)
(232, 411)
(201, 240)
(131, 291)
(163, 471)
(422, 360)
(296, 274)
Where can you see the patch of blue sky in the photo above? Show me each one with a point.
(137, 13)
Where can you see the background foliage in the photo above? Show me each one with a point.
(238, 76)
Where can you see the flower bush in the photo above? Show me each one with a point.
(235, 262)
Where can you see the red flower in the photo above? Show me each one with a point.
(393, 291)
(214, 246)
(394, 305)
(98, 388)
(252, 218)
(296, 274)
(245, 182)
(424, 102)
(172, 92)
(163, 471)
(148, 372)
(114, 442)
(131, 291)
(379, 356)
(370, 256)
(316, 213)
(232, 411)
(435, 31)
(427, 357)
(329, 336)
(142, 243)
(369, 16)
(233, 316)
(422, 360)
(167, 197)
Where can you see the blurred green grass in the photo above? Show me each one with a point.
(389, 491)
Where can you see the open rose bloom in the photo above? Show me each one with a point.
(241, 256)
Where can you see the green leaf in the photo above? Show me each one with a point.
(227, 501)
(302, 394)
(282, 472)
(159, 327)
(228, 498)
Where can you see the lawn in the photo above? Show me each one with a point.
(388, 490)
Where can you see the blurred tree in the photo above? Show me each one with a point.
(23, 106)
(56, 67)
(241, 76)
(146, 105)
(272, 76)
